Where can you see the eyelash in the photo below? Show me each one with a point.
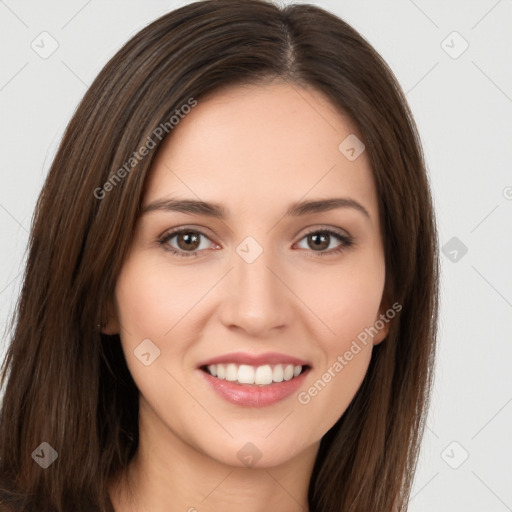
(347, 242)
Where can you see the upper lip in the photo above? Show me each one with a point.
(255, 359)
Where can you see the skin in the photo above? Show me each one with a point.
(255, 150)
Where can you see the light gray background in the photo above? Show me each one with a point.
(463, 107)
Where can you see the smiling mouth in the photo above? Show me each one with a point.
(264, 375)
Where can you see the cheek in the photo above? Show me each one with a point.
(148, 308)
(354, 304)
(345, 297)
(347, 300)
(152, 304)
(349, 309)
(151, 300)
(328, 394)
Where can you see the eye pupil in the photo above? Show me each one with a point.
(189, 237)
(318, 243)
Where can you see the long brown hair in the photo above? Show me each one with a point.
(68, 385)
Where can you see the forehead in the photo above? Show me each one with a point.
(267, 144)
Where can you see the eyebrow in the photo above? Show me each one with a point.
(217, 211)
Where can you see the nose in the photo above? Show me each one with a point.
(255, 297)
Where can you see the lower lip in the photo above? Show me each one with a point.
(251, 395)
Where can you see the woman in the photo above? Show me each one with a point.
(230, 298)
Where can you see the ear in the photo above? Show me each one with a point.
(111, 325)
(381, 335)
(381, 324)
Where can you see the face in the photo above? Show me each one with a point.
(265, 287)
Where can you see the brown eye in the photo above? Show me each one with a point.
(188, 240)
(319, 241)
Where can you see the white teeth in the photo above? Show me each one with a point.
(263, 375)
(260, 375)
(246, 374)
(288, 372)
(221, 371)
(231, 372)
(278, 373)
